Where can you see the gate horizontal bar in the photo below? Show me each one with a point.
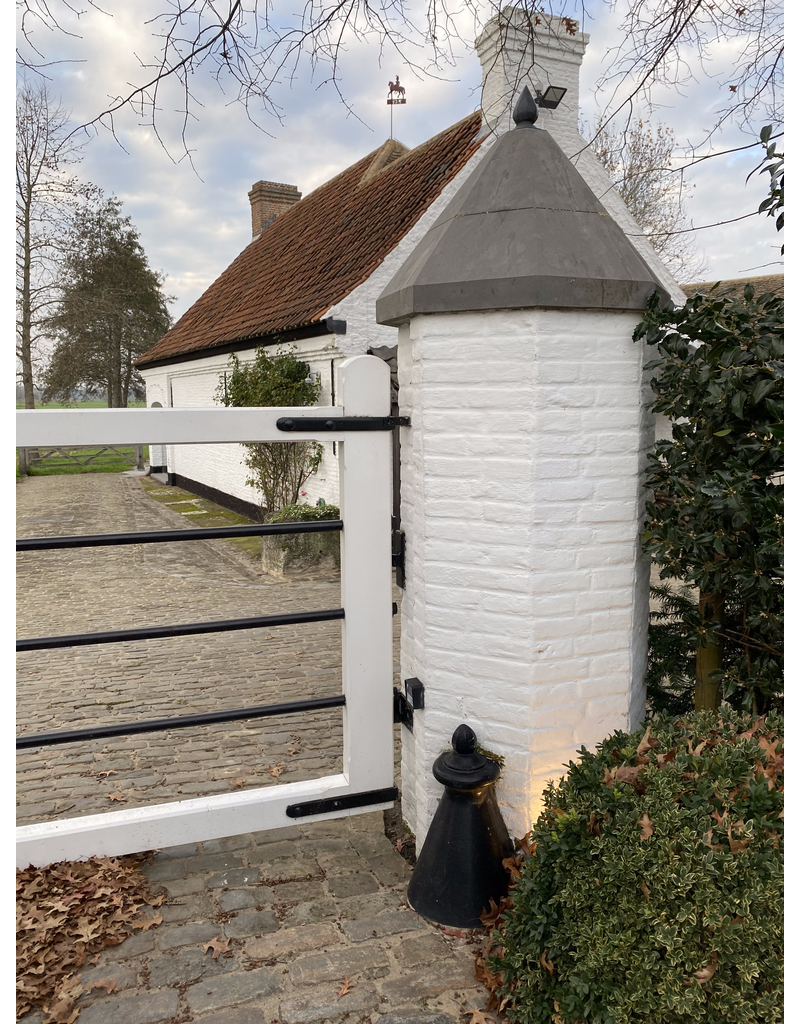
(341, 803)
(323, 423)
(97, 540)
(293, 707)
(107, 427)
(117, 636)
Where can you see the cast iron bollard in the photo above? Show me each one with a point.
(459, 868)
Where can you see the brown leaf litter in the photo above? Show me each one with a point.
(66, 914)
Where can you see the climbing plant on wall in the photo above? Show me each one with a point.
(277, 470)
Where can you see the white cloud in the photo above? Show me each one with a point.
(194, 215)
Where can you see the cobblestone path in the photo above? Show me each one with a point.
(90, 589)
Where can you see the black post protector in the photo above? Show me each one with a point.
(459, 868)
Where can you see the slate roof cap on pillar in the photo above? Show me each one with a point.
(525, 230)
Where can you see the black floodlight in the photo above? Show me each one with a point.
(551, 97)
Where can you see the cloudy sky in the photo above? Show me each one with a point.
(193, 214)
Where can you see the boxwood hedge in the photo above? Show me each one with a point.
(653, 889)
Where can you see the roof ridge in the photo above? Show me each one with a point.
(435, 138)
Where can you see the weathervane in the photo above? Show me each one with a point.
(392, 100)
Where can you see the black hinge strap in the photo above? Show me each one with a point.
(317, 423)
(342, 803)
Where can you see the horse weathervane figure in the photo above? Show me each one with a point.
(392, 100)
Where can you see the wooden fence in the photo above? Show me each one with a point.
(55, 457)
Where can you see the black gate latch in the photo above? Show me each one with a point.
(406, 703)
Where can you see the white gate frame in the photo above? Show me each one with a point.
(365, 475)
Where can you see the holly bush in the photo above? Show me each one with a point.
(653, 888)
(714, 517)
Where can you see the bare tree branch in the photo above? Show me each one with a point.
(250, 51)
(45, 197)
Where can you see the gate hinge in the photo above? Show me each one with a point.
(343, 803)
(399, 557)
(406, 703)
(318, 423)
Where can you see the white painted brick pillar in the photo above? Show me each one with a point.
(525, 609)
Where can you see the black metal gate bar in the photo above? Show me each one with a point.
(116, 636)
(96, 540)
(44, 739)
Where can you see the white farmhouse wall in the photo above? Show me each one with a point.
(193, 385)
(525, 610)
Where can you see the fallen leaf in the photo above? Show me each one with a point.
(525, 846)
(105, 775)
(761, 773)
(737, 845)
(218, 945)
(547, 964)
(62, 1009)
(480, 1017)
(489, 917)
(629, 774)
(293, 751)
(108, 984)
(117, 796)
(707, 841)
(698, 749)
(646, 743)
(719, 818)
(769, 748)
(346, 986)
(749, 733)
(666, 758)
(276, 769)
(707, 973)
(647, 827)
(512, 867)
(646, 890)
(151, 922)
(237, 783)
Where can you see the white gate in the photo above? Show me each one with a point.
(365, 474)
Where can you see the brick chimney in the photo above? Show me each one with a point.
(520, 47)
(267, 200)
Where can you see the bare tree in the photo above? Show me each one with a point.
(243, 45)
(639, 162)
(739, 43)
(45, 197)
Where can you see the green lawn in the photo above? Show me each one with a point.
(203, 512)
(110, 462)
(89, 403)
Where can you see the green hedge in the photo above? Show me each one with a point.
(654, 892)
(305, 513)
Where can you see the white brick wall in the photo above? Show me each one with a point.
(525, 610)
(509, 63)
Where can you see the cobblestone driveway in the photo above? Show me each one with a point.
(301, 908)
(89, 589)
